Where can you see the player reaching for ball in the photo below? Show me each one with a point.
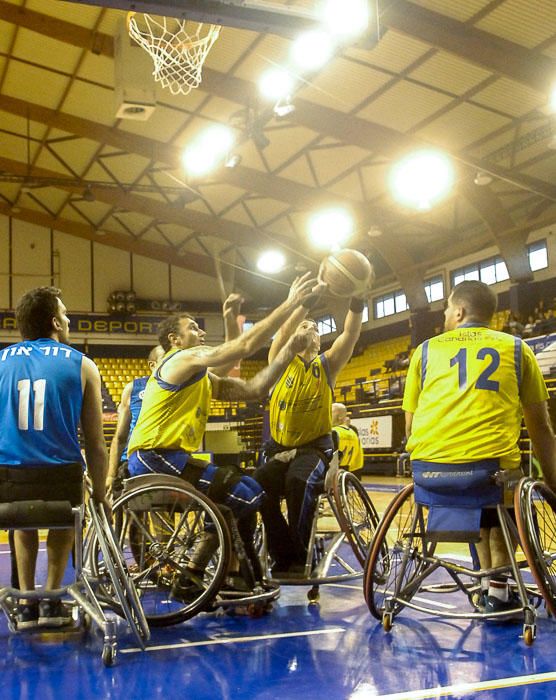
(299, 451)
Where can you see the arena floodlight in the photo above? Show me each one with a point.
(346, 18)
(552, 100)
(329, 229)
(276, 84)
(205, 153)
(271, 262)
(422, 179)
(312, 49)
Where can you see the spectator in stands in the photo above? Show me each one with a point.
(349, 444)
(546, 359)
(176, 405)
(132, 398)
(47, 388)
(401, 361)
(547, 324)
(529, 327)
(465, 395)
(301, 444)
(515, 325)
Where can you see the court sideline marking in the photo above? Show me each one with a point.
(458, 689)
(235, 640)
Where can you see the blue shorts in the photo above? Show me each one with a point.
(243, 496)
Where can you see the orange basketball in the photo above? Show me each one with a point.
(347, 273)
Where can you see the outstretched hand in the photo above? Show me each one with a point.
(301, 339)
(304, 286)
(232, 305)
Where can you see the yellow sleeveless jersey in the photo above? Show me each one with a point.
(350, 448)
(301, 403)
(173, 417)
(465, 388)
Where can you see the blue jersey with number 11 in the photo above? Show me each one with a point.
(41, 394)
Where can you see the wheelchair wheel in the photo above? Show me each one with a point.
(163, 528)
(126, 598)
(395, 558)
(535, 507)
(357, 515)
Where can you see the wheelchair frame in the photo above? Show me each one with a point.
(402, 557)
(357, 518)
(35, 515)
(162, 523)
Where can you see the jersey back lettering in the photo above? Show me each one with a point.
(465, 388)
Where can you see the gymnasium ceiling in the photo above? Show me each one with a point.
(472, 78)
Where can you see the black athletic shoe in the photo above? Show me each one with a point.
(53, 613)
(188, 586)
(27, 615)
(512, 606)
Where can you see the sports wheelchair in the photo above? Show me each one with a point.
(343, 513)
(407, 550)
(89, 596)
(164, 526)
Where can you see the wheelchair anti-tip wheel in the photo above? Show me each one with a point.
(396, 554)
(166, 528)
(357, 515)
(535, 508)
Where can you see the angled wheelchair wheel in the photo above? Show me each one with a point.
(396, 554)
(357, 515)
(125, 595)
(164, 529)
(535, 507)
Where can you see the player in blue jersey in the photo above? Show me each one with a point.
(47, 388)
(465, 395)
(128, 413)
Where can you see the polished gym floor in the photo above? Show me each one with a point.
(332, 651)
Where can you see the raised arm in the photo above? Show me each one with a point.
(342, 348)
(233, 389)
(230, 312)
(287, 329)
(183, 365)
(121, 435)
(539, 427)
(91, 424)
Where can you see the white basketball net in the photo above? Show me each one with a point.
(178, 55)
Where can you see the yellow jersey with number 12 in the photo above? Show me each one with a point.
(465, 388)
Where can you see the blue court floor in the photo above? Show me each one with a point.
(334, 651)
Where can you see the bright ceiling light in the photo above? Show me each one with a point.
(346, 18)
(271, 262)
(312, 49)
(330, 228)
(552, 99)
(421, 179)
(211, 147)
(276, 84)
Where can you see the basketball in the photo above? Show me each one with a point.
(347, 273)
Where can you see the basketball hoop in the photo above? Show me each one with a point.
(178, 53)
